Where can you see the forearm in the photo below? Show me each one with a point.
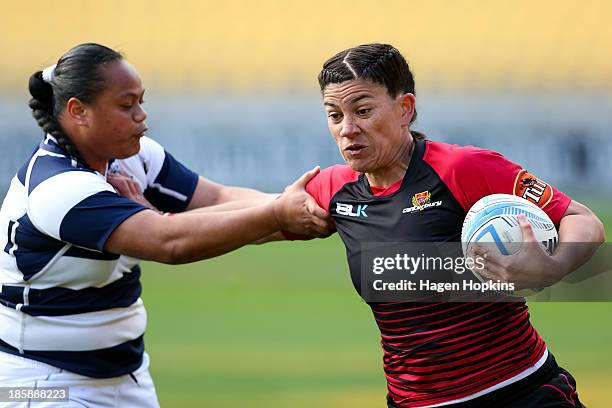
(209, 193)
(232, 205)
(239, 205)
(579, 237)
(277, 236)
(189, 237)
(224, 232)
(230, 194)
(193, 235)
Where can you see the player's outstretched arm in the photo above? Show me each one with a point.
(210, 194)
(191, 236)
(126, 186)
(187, 237)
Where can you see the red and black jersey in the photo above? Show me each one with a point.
(440, 353)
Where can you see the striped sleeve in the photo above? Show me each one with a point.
(169, 184)
(80, 208)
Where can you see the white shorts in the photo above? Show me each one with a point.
(116, 392)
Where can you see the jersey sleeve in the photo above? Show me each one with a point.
(473, 173)
(170, 184)
(79, 208)
(324, 186)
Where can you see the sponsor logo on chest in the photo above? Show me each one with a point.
(351, 210)
(421, 201)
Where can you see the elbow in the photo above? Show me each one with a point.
(600, 231)
(171, 246)
(587, 221)
(596, 227)
(172, 252)
(177, 252)
(167, 246)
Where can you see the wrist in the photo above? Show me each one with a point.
(276, 205)
(558, 269)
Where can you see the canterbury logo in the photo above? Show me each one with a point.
(347, 209)
(421, 201)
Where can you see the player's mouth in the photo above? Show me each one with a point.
(141, 133)
(355, 149)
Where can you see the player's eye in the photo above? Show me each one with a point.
(364, 111)
(334, 116)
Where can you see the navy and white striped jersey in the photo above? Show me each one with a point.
(63, 299)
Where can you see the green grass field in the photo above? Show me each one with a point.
(280, 325)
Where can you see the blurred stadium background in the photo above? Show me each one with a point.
(232, 92)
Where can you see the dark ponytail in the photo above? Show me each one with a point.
(42, 110)
(77, 74)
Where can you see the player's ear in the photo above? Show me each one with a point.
(77, 111)
(406, 102)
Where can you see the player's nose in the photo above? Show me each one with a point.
(349, 128)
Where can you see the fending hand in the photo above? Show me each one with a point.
(298, 212)
(127, 187)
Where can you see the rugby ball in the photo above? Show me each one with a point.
(493, 220)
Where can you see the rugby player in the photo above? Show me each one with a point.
(483, 354)
(70, 307)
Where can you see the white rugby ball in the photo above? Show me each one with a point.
(493, 219)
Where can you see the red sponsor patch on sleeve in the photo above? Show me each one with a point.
(533, 189)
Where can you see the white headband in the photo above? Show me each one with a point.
(48, 73)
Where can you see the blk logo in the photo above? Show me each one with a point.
(347, 209)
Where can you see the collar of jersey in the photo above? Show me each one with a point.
(417, 156)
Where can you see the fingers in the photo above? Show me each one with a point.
(476, 252)
(126, 186)
(317, 224)
(112, 177)
(527, 229)
(303, 222)
(489, 263)
(473, 250)
(318, 211)
(321, 218)
(314, 208)
(318, 231)
(488, 255)
(118, 182)
(123, 182)
(133, 187)
(323, 226)
(306, 177)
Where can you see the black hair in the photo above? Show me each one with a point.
(78, 74)
(378, 63)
